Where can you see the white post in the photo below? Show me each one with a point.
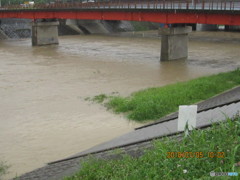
(187, 116)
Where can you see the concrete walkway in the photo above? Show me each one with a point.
(212, 110)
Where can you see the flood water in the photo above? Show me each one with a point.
(43, 112)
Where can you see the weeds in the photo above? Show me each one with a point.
(100, 98)
(3, 169)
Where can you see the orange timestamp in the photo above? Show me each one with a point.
(195, 154)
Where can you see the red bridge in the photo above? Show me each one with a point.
(222, 12)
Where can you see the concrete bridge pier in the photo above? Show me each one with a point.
(44, 33)
(174, 42)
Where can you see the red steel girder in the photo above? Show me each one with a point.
(166, 17)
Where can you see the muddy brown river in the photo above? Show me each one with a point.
(43, 114)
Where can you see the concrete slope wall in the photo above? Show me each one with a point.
(16, 28)
(3, 35)
(92, 26)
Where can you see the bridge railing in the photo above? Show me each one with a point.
(232, 5)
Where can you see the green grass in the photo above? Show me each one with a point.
(99, 98)
(3, 169)
(155, 163)
(154, 103)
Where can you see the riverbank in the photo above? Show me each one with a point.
(215, 149)
(155, 103)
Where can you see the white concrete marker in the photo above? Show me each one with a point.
(187, 114)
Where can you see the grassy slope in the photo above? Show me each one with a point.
(154, 103)
(155, 164)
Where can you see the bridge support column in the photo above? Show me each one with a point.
(44, 33)
(174, 42)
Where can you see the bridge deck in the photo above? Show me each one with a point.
(167, 12)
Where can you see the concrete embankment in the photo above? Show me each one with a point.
(16, 28)
(3, 35)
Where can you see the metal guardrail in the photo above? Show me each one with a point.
(223, 5)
